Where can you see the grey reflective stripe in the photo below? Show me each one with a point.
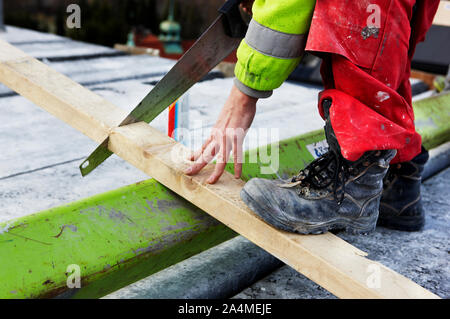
(274, 43)
(251, 92)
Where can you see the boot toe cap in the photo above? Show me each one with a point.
(275, 205)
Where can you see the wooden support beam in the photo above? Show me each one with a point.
(326, 259)
(442, 16)
(70, 102)
(136, 50)
(426, 77)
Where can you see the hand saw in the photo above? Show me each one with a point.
(214, 45)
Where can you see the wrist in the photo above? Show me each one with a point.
(241, 98)
(250, 91)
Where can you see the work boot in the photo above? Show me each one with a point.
(330, 193)
(401, 203)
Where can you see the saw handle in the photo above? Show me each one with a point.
(235, 26)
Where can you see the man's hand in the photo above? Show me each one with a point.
(228, 134)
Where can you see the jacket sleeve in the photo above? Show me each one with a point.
(273, 45)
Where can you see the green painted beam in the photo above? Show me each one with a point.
(294, 154)
(127, 234)
(116, 238)
(432, 119)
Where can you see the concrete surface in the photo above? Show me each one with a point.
(438, 161)
(15, 35)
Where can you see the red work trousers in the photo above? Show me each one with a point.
(367, 47)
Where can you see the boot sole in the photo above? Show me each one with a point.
(403, 223)
(351, 226)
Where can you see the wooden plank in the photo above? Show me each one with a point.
(442, 16)
(80, 108)
(426, 77)
(326, 259)
(136, 50)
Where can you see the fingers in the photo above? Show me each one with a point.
(237, 156)
(222, 160)
(206, 157)
(195, 155)
(220, 144)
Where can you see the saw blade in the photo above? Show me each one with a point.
(209, 50)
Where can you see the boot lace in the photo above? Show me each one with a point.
(325, 170)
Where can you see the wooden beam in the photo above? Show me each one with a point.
(426, 77)
(136, 50)
(326, 259)
(70, 102)
(442, 16)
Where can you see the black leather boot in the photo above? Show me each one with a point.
(401, 203)
(331, 193)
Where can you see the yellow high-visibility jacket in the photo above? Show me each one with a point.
(273, 45)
